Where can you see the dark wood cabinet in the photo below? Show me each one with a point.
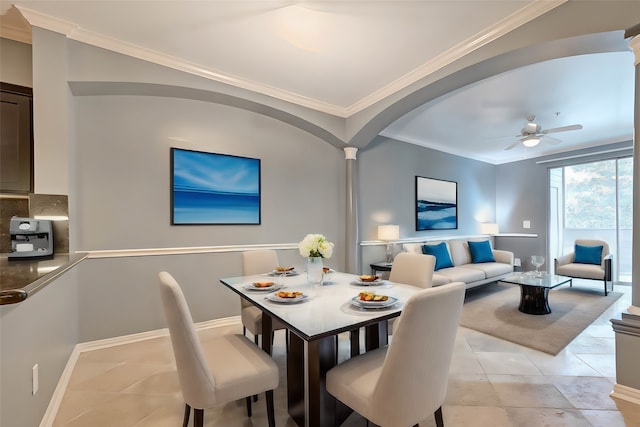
(16, 139)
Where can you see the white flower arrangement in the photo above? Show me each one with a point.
(315, 245)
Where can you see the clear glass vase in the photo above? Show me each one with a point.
(314, 271)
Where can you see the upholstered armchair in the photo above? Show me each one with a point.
(590, 259)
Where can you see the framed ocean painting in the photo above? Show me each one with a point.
(436, 204)
(211, 188)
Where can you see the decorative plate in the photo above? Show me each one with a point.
(373, 304)
(254, 287)
(275, 298)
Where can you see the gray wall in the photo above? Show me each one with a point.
(123, 202)
(43, 329)
(387, 171)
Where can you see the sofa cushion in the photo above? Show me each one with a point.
(481, 252)
(412, 248)
(440, 251)
(439, 280)
(492, 269)
(585, 271)
(459, 250)
(462, 274)
(587, 254)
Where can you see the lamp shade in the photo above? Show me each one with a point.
(489, 228)
(388, 232)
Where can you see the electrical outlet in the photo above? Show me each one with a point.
(526, 224)
(34, 379)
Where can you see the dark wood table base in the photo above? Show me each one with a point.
(534, 299)
(322, 354)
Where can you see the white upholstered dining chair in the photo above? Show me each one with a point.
(256, 262)
(403, 383)
(413, 269)
(232, 368)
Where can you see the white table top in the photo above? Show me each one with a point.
(327, 311)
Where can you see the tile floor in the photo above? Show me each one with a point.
(492, 383)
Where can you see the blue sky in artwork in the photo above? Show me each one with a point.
(436, 191)
(216, 172)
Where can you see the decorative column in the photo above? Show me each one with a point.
(627, 328)
(352, 234)
(634, 44)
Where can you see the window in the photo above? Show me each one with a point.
(593, 201)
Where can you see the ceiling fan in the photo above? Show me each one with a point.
(532, 133)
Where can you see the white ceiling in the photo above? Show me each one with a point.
(340, 57)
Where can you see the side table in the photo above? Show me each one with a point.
(380, 266)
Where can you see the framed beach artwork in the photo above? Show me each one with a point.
(211, 188)
(436, 204)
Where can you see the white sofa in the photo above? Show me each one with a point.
(464, 270)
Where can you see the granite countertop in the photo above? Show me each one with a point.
(20, 279)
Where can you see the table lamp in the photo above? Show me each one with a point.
(388, 233)
(489, 228)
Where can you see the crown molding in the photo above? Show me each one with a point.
(490, 34)
(15, 33)
(515, 20)
(75, 32)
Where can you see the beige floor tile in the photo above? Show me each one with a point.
(123, 411)
(85, 370)
(164, 381)
(606, 418)
(467, 416)
(471, 390)
(493, 383)
(75, 403)
(120, 377)
(546, 417)
(565, 363)
(584, 344)
(520, 395)
(587, 392)
(506, 363)
(604, 364)
(465, 364)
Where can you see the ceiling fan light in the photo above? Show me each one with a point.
(531, 142)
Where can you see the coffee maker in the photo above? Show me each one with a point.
(30, 238)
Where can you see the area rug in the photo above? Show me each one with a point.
(494, 310)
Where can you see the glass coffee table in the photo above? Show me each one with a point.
(534, 295)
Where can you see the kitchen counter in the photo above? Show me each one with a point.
(19, 279)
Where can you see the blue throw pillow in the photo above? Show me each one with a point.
(588, 254)
(443, 260)
(481, 252)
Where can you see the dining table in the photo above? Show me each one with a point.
(314, 318)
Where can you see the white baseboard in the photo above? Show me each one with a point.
(54, 404)
(626, 393)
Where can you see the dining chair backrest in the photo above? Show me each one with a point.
(413, 269)
(196, 382)
(259, 261)
(413, 380)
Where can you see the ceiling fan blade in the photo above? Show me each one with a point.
(562, 129)
(551, 140)
(515, 144)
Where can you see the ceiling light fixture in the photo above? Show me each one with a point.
(531, 141)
